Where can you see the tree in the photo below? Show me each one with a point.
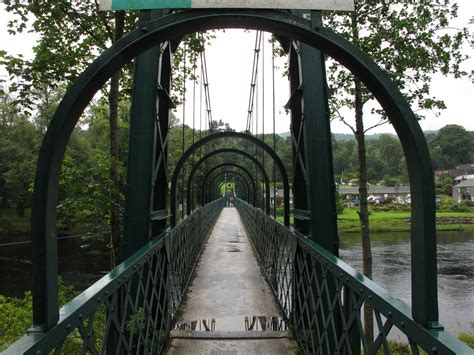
(410, 42)
(19, 149)
(453, 146)
(71, 35)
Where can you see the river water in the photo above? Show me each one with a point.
(83, 261)
(391, 270)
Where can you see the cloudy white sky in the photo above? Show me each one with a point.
(229, 60)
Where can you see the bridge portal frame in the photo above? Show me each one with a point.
(223, 135)
(240, 179)
(204, 180)
(45, 196)
(223, 151)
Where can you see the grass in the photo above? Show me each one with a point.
(389, 221)
(394, 221)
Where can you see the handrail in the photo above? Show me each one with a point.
(131, 307)
(322, 296)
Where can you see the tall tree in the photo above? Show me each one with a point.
(453, 146)
(72, 33)
(411, 42)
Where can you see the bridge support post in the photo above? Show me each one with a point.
(146, 174)
(148, 130)
(317, 144)
(313, 158)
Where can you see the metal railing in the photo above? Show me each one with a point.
(130, 310)
(322, 297)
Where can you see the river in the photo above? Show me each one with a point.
(391, 270)
(83, 261)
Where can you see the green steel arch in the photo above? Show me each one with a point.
(222, 135)
(423, 231)
(247, 173)
(222, 151)
(238, 177)
(232, 173)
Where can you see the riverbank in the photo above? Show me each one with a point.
(348, 221)
(396, 221)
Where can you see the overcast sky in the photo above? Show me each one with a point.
(230, 58)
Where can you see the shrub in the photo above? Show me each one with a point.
(459, 207)
(17, 314)
(467, 338)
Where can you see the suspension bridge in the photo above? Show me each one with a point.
(203, 274)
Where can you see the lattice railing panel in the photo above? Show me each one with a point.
(130, 310)
(323, 297)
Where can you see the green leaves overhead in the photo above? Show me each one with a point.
(72, 34)
(410, 40)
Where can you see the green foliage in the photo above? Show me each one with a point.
(72, 33)
(452, 146)
(15, 319)
(17, 314)
(459, 207)
(467, 338)
(444, 186)
(408, 41)
(19, 145)
(445, 202)
(339, 203)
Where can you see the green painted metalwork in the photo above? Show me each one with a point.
(300, 272)
(229, 174)
(143, 117)
(137, 300)
(321, 190)
(239, 183)
(246, 172)
(223, 135)
(423, 247)
(233, 173)
(222, 151)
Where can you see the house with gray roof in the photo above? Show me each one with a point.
(400, 193)
(464, 190)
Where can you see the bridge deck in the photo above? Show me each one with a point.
(229, 307)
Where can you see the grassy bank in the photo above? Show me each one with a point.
(391, 221)
(394, 221)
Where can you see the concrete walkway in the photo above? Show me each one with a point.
(229, 307)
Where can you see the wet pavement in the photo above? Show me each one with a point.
(229, 307)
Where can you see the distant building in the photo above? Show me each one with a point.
(462, 172)
(464, 190)
(399, 193)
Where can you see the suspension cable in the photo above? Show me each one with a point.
(263, 97)
(274, 138)
(207, 96)
(253, 80)
(182, 129)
